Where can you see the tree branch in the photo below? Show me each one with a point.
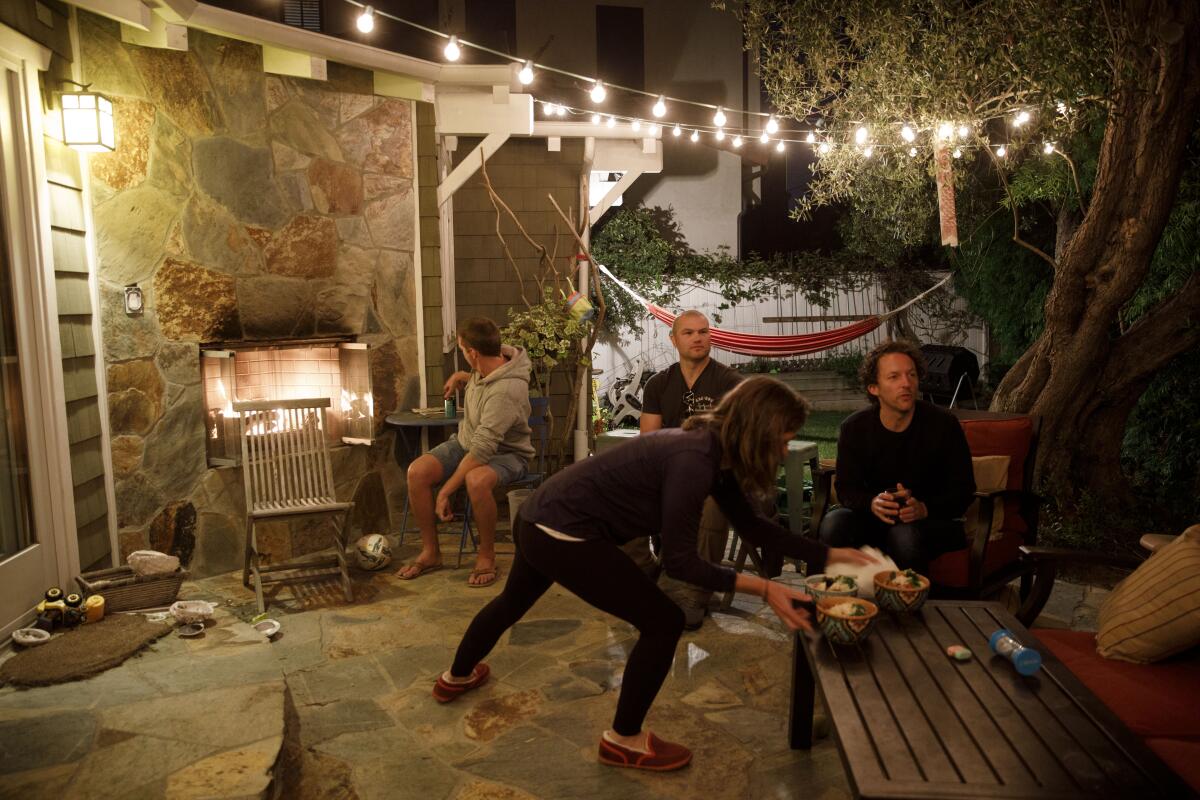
(1074, 177)
(1160, 334)
(496, 203)
(1015, 214)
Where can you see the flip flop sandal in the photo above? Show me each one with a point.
(475, 573)
(422, 569)
(444, 691)
(663, 756)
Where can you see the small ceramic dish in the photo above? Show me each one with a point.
(901, 590)
(191, 629)
(267, 627)
(30, 637)
(831, 586)
(845, 620)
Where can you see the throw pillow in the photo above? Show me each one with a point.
(991, 474)
(1155, 612)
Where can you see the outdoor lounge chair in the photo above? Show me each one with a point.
(287, 474)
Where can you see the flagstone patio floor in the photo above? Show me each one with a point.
(339, 705)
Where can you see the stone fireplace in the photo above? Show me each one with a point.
(336, 369)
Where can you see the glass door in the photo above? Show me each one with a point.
(32, 556)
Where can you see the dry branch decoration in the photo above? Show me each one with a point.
(553, 323)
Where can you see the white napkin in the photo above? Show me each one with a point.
(863, 575)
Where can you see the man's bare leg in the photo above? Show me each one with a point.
(423, 475)
(481, 481)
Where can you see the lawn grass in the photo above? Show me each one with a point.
(822, 428)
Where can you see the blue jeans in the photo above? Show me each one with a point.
(911, 545)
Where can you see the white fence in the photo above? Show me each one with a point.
(653, 351)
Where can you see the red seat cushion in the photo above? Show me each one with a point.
(1004, 437)
(1153, 700)
(950, 569)
(1182, 756)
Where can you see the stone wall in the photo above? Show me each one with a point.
(246, 206)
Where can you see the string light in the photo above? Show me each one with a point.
(526, 73)
(781, 146)
(737, 141)
(811, 138)
(452, 51)
(957, 153)
(636, 124)
(1048, 148)
(719, 117)
(1021, 118)
(870, 151)
(720, 134)
(764, 138)
(695, 137)
(824, 148)
(366, 20)
(772, 125)
(561, 111)
(860, 135)
(595, 119)
(677, 131)
(654, 129)
(548, 108)
(660, 107)
(945, 131)
(912, 151)
(963, 131)
(907, 134)
(598, 92)
(1001, 151)
(612, 123)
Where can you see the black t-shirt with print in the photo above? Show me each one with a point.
(667, 394)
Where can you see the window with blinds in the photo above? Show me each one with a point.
(303, 14)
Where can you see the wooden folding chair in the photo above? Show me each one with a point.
(287, 473)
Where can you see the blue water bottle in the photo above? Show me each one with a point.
(1025, 660)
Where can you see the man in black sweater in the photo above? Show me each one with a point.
(694, 384)
(904, 477)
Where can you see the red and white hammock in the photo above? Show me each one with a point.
(753, 344)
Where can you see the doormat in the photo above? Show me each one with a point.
(83, 652)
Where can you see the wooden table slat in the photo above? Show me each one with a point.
(855, 746)
(878, 721)
(932, 684)
(1041, 764)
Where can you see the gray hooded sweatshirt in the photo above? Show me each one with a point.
(497, 409)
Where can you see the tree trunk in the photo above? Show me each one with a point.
(1083, 376)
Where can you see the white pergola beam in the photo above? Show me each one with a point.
(389, 84)
(472, 113)
(611, 197)
(279, 61)
(162, 34)
(126, 12)
(620, 155)
(466, 168)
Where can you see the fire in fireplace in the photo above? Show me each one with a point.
(285, 370)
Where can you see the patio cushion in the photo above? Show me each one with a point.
(991, 474)
(1182, 756)
(950, 569)
(1004, 437)
(1155, 612)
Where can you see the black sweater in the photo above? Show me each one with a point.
(657, 483)
(930, 457)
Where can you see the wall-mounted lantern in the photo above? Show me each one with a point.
(135, 303)
(87, 120)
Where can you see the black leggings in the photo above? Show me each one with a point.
(599, 573)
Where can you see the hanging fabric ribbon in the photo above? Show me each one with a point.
(753, 344)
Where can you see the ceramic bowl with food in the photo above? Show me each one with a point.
(831, 586)
(900, 589)
(845, 620)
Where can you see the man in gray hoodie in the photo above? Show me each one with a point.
(492, 448)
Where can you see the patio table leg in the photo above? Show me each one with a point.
(800, 718)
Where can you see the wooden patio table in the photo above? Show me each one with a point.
(911, 722)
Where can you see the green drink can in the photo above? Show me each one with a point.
(451, 408)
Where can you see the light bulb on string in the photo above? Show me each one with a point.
(957, 153)
(860, 135)
(595, 119)
(912, 151)
(612, 122)
(824, 148)
(1048, 148)
(598, 91)
(811, 138)
(772, 124)
(366, 20)
(868, 152)
(907, 134)
(737, 141)
(720, 134)
(1001, 151)
(660, 107)
(452, 51)
(654, 129)
(963, 131)
(561, 111)
(677, 131)
(764, 138)
(548, 108)
(695, 137)
(719, 117)
(945, 131)
(636, 124)
(526, 73)
(781, 146)
(1021, 118)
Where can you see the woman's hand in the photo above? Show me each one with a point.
(848, 555)
(780, 597)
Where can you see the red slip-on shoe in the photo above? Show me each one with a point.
(663, 756)
(444, 691)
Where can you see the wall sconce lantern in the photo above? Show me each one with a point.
(135, 303)
(87, 120)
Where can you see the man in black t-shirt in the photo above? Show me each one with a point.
(695, 383)
(904, 477)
